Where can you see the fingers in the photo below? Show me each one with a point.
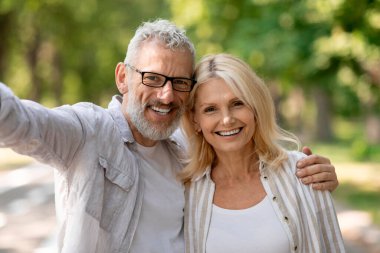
(312, 159)
(317, 173)
(318, 183)
(307, 151)
(318, 178)
(321, 176)
(329, 186)
(316, 169)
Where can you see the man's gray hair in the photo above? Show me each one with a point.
(162, 30)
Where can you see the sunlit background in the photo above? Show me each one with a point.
(320, 58)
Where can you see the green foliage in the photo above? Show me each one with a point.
(332, 46)
(360, 150)
(360, 197)
(66, 51)
(57, 51)
(350, 144)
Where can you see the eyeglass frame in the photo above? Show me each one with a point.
(167, 78)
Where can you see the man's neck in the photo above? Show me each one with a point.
(140, 139)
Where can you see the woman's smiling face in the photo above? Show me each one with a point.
(226, 122)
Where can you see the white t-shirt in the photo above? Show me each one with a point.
(160, 227)
(255, 229)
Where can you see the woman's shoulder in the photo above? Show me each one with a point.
(200, 181)
(293, 157)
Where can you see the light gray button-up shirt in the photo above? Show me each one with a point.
(98, 188)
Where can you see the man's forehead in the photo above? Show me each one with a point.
(155, 44)
(156, 55)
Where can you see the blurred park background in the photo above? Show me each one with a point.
(320, 58)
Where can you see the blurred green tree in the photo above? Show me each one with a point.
(330, 49)
(311, 51)
(56, 51)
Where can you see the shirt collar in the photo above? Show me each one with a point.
(206, 173)
(115, 109)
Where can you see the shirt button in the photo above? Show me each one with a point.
(274, 198)
(295, 248)
(265, 177)
(286, 219)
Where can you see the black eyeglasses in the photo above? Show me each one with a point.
(156, 80)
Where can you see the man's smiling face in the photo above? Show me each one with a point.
(155, 112)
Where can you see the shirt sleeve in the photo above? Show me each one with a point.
(51, 136)
(330, 234)
(321, 205)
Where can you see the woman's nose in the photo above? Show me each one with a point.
(228, 118)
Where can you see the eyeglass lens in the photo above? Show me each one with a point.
(157, 80)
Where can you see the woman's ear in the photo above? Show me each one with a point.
(194, 120)
(121, 78)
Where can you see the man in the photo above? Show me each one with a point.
(116, 187)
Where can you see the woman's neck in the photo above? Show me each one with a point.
(235, 166)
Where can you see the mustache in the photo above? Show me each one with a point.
(158, 103)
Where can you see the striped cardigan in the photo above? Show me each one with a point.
(308, 216)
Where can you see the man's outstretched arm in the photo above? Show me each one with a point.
(317, 170)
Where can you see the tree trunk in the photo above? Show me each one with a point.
(57, 77)
(372, 127)
(5, 29)
(323, 123)
(32, 59)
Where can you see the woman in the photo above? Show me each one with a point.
(241, 190)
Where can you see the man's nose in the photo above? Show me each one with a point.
(166, 92)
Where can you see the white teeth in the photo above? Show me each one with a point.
(227, 133)
(160, 110)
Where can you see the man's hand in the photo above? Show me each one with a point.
(317, 170)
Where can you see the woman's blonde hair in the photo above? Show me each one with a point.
(269, 139)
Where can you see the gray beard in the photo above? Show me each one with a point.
(152, 131)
